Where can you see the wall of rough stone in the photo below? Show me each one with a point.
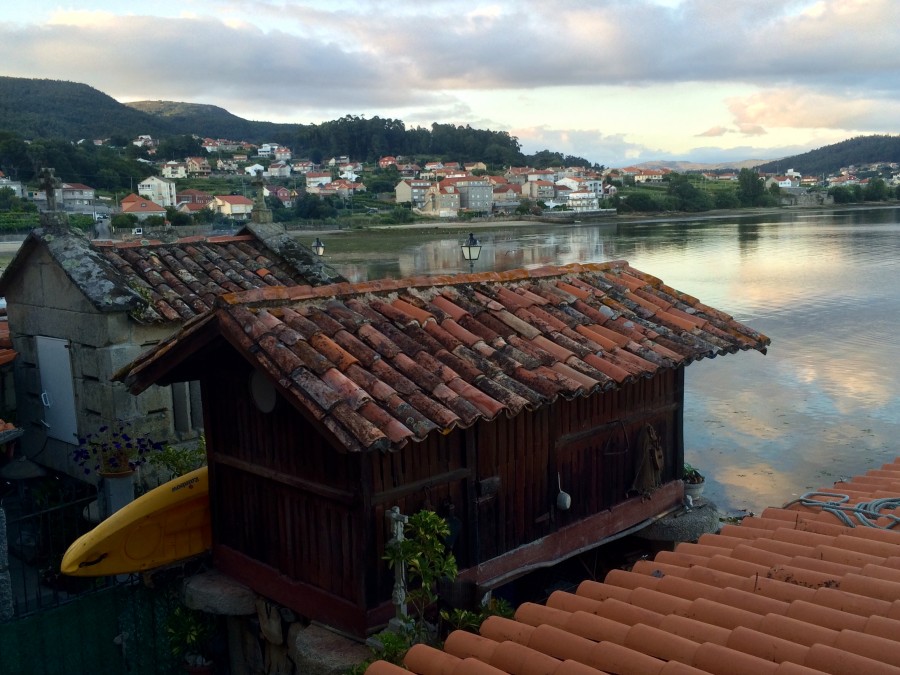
(267, 639)
(45, 302)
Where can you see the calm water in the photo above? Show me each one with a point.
(824, 403)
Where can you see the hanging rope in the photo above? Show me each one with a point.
(864, 512)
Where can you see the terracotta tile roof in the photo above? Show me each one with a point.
(174, 281)
(796, 590)
(382, 363)
(182, 279)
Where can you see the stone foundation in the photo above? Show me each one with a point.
(267, 639)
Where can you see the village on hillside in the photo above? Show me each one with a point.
(431, 189)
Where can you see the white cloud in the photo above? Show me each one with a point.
(652, 74)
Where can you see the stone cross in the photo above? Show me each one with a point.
(50, 183)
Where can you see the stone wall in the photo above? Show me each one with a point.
(43, 301)
(267, 639)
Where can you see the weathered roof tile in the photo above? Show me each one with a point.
(455, 350)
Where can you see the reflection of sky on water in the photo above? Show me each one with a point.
(824, 403)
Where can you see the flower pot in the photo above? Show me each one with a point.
(694, 490)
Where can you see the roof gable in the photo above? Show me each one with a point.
(387, 362)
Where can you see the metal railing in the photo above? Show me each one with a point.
(35, 543)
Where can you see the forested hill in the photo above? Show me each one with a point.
(53, 109)
(215, 122)
(67, 111)
(829, 159)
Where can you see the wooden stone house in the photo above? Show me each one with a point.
(480, 396)
(79, 310)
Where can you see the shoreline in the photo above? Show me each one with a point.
(638, 219)
(11, 246)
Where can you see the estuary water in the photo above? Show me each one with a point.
(824, 403)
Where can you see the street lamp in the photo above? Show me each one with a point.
(471, 249)
(318, 247)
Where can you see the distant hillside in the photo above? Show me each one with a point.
(698, 166)
(69, 111)
(214, 122)
(829, 159)
(55, 109)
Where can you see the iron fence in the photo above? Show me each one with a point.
(54, 624)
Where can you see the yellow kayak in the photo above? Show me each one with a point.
(168, 524)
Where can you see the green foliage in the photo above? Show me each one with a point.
(18, 222)
(178, 460)
(428, 561)
(640, 201)
(467, 620)
(726, 199)
(686, 196)
(751, 188)
(876, 191)
(10, 202)
(829, 159)
(426, 558)
(123, 220)
(690, 475)
(190, 632)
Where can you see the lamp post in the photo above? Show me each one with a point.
(318, 247)
(471, 249)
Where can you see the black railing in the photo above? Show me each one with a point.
(36, 541)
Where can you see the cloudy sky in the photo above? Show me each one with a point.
(616, 82)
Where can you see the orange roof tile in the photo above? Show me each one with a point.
(7, 353)
(454, 350)
(791, 611)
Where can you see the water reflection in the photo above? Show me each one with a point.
(824, 403)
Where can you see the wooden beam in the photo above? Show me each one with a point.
(333, 494)
(576, 538)
(393, 494)
(308, 601)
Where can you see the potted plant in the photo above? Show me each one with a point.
(190, 632)
(694, 481)
(114, 453)
(113, 450)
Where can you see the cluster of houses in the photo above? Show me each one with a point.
(438, 188)
(445, 189)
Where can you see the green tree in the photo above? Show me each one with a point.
(876, 191)
(641, 201)
(726, 199)
(751, 188)
(176, 217)
(179, 147)
(428, 561)
(123, 221)
(687, 197)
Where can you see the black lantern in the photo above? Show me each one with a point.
(471, 249)
(318, 247)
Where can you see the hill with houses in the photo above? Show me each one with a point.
(59, 110)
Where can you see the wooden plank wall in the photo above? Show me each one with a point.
(586, 445)
(282, 495)
(287, 498)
